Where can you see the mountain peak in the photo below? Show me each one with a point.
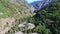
(39, 4)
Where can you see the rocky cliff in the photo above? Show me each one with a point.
(12, 12)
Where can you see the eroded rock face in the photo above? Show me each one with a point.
(6, 24)
(13, 11)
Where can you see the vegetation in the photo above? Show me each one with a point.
(47, 20)
(13, 9)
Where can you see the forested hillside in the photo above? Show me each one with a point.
(47, 20)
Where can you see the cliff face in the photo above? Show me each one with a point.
(12, 12)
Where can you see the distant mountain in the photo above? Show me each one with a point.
(40, 4)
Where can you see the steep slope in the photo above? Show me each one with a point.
(12, 12)
(47, 20)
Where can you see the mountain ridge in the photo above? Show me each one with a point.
(40, 4)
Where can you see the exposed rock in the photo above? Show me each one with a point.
(31, 26)
(34, 33)
(49, 22)
(19, 32)
(6, 24)
(11, 11)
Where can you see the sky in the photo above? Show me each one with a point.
(30, 1)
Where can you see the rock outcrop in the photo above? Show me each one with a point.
(12, 12)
